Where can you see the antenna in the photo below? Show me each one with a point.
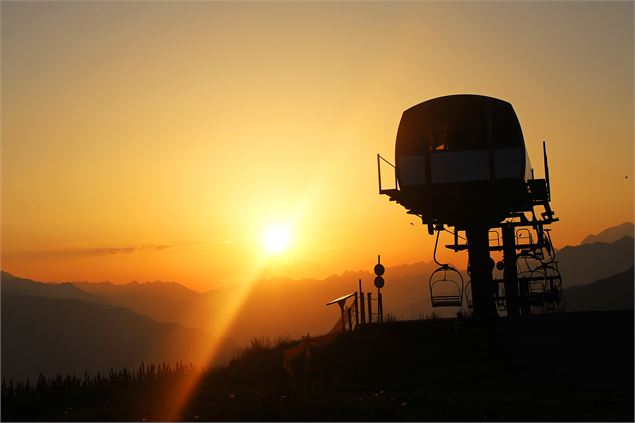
(546, 162)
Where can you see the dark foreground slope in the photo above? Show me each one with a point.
(548, 367)
(571, 366)
(612, 293)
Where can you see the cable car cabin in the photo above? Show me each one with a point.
(461, 159)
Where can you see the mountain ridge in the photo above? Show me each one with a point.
(585, 263)
(297, 306)
(612, 293)
(611, 234)
(10, 283)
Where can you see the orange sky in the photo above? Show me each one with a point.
(156, 141)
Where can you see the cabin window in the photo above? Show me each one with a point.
(458, 123)
(456, 128)
(458, 138)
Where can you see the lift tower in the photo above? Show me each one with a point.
(461, 162)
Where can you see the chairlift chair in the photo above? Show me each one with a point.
(553, 286)
(494, 238)
(523, 234)
(500, 300)
(448, 277)
(537, 287)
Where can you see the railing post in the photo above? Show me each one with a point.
(361, 298)
(370, 308)
(378, 173)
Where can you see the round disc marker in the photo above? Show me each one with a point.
(379, 281)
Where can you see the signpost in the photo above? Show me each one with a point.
(379, 283)
(361, 304)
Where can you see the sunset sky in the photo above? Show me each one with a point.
(163, 140)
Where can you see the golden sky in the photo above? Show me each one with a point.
(158, 140)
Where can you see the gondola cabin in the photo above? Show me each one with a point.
(461, 159)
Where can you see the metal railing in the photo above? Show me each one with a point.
(381, 160)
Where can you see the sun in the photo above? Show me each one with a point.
(276, 239)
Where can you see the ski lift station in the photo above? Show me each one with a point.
(461, 162)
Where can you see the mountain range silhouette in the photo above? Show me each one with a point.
(81, 326)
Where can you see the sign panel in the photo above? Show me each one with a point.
(379, 282)
(379, 269)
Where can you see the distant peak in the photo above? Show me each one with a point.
(612, 234)
(153, 283)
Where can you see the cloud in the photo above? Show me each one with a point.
(99, 251)
(125, 250)
(79, 251)
(224, 242)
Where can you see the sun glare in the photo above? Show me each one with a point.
(276, 239)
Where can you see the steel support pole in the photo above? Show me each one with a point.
(481, 272)
(510, 271)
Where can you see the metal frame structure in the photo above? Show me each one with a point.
(537, 286)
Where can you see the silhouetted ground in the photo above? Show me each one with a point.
(570, 366)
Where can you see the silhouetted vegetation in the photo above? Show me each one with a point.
(140, 393)
(117, 395)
